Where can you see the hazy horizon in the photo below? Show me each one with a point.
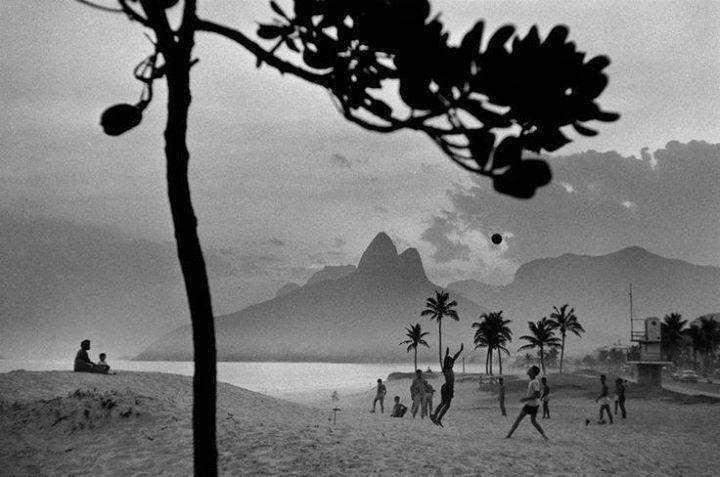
(283, 186)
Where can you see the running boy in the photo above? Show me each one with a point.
(447, 390)
(532, 403)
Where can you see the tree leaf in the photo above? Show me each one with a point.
(489, 119)
(508, 153)
(584, 130)
(276, 8)
(499, 38)
(480, 144)
(270, 31)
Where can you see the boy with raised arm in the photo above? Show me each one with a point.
(447, 390)
(532, 403)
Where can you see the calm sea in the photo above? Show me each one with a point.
(294, 381)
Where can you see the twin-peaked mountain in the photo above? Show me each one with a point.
(341, 314)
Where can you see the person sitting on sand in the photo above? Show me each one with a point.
(545, 398)
(399, 409)
(501, 396)
(532, 403)
(604, 400)
(82, 360)
(102, 364)
(417, 394)
(427, 403)
(620, 397)
(380, 396)
(447, 390)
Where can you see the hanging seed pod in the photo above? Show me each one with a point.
(120, 118)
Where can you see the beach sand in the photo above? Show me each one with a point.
(64, 423)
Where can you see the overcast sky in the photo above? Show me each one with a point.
(282, 185)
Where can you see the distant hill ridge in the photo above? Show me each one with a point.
(359, 316)
(597, 287)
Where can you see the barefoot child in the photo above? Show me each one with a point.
(620, 397)
(447, 390)
(380, 396)
(604, 400)
(532, 403)
(545, 398)
(399, 409)
(102, 364)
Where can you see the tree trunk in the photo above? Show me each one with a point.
(562, 352)
(542, 360)
(415, 358)
(440, 342)
(192, 263)
(499, 361)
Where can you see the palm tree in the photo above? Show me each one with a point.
(481, 340)
(672, 329)
(564, 320)
(492, 333)
(541, 337)
(694, 337)
(415, 338)
(709, 331)
(438, 308)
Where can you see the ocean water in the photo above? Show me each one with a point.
(300, 382)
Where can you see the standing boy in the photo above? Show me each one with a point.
(620, 397)
(545, 398)
(380, 396)
(604, 400)
(532, 403)
(417, 394)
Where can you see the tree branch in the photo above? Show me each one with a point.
(103, 8)
(261, 54)
(132, 14)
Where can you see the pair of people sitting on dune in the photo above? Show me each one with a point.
(83, 364)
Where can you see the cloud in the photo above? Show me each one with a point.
(442, 234)
(672, 193)
(276, 242)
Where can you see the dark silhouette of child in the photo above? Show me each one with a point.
(545, 398)
(447, 390)
(620, 397)
(399, 409)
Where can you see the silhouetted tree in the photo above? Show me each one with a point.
(709, 339)
(552, 357)
(352, 49)
(695, 341)
(415, 338)
(565, 320)
(437, 308)
(541, 337)
(672, 328)
(492, 333)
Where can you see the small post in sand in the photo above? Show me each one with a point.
(335, 411)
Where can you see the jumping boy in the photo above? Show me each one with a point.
(380, 396)
(604, 400)
(532, 403)
(447, 390)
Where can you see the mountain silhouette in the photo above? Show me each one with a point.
(597, 287)
(360, 316)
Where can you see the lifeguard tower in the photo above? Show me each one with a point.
(647, 333)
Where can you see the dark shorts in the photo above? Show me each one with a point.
(532, 410)
(447, 392)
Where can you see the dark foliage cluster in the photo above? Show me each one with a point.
(483, 106)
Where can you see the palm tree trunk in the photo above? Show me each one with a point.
(500, 361)
(542, 360)
(440, 342)
(415, 358)
(562, 352)
(192, 263)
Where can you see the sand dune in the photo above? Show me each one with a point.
(64, 423)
